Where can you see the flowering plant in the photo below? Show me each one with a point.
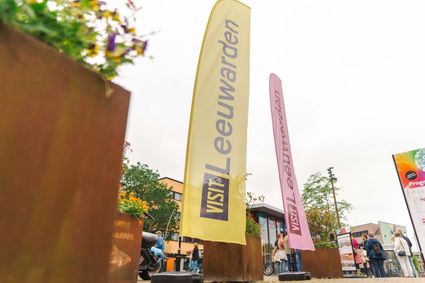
(130, 204)
(86, 30)
(252, 227)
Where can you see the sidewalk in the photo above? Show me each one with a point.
(352, 280)
(344, 280)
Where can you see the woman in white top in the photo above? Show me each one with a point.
(280, 254)
(401, 249)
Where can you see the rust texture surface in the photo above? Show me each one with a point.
(126, 242)
(233, 262)
(322, 263)
(61, 143)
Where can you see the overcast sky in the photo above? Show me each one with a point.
(353, 77)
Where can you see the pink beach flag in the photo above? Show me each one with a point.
(296, 222)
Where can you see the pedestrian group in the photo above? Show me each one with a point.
(285, 258)
(370, 255)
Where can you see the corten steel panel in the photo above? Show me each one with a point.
(253, 260)
(233, 262)
(126, 242)
(61, 142)
(322, 263)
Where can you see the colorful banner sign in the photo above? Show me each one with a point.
(346, 252)
(411, 172)
(296, 222)
(214, 184)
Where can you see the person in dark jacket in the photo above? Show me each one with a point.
(368, 268)
(194, 263)
(376, 255)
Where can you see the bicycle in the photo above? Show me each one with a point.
(268, 267)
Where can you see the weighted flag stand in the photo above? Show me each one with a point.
(294, 276)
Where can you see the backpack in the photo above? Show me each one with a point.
(377, 249)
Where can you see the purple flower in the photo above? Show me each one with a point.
(111, 42)
(145, 46)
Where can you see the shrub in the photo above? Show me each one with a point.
(252, 227)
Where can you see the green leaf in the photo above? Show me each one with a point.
(38, 7)
(8, 10)
(38, 28)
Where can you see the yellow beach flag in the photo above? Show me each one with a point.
(214, 184)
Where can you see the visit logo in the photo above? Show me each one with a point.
(411, 175)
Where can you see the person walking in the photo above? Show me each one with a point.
(409, 243)
(298, 264)
(194, 261)
(368, 266)
(357, 258)
(280, 254)
(365, 261)
(276, 255)
(288, 252)
(401, 249)
(376, 255)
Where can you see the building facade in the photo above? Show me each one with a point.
(383, 231)
(272, 223)
(172, 237)
(270, 218)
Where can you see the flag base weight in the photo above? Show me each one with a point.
(294, 276)
(178, 277)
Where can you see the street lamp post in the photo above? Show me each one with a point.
(178, 256)
(332, 178)
(168, 224)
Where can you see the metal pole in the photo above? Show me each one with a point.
(331, 176)
(410, 215)
(168, 224)
(336, 206)
(178, 257)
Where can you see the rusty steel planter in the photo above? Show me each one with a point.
(233, 262)
(61, 142)
(126, 242)
(322, 263)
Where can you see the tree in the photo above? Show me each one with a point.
(320, 208)
(143, 181)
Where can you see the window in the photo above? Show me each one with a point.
(264, 231)
(178, 196)
(186, 239)
(175, 236)
(272, 230)
(279, 225)
(177, 215)
(359, 233)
